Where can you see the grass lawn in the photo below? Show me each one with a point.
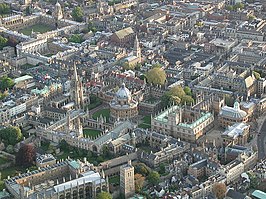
(41, 28)
(114, 180)
(91, 132)
(146, 124)
(103, 112)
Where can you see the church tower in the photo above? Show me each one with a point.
(58, 13)
(76, 89)
(127, 182)
(137, 50)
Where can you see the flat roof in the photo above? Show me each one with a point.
(22, 78)
(259, 194)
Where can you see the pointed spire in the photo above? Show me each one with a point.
(75, 72)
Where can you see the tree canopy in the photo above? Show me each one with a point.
(4, 9)
(156, 76)
(78, 14)
(6, 83)
(104, 195)
(3, 42)
(76, 38)
(11, 135)
(26, 155)
(177, 95)
(139, 181)
(256, 74)
(154, 178)
(142, 169)
(219, 190)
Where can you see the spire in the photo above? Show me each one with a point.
(75, 72)
(136, 42)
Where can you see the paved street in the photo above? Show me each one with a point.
(261, 141)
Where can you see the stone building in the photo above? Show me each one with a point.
(123, 37)
(228, 116)
(183, 123)
(76, 90)
(127, 182)
(123, 107)
(236, 134)
(67, 179)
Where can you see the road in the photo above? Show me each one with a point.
(262, 141)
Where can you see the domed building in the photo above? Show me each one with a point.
(231, 115)
(123, 107)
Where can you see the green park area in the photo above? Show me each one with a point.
(92, 133)
(41, 28)
(104, 112)
(146, 122)
(114, 180)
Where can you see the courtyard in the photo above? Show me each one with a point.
(104, 112)
(146, 122)
(92, 133)
(40, 28)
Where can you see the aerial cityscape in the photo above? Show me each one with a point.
(132, 99)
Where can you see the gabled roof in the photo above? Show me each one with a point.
(124, 32)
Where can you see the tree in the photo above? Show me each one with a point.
(104, 195)
(3, 42)
(139, 181)
(142, 169)
(4, 9)
(239, 6)
(127, 66)
(229, 8)
(156, 76)
(26, 155)
(177, 95)
(28, 11)
(256, 75)
(78, 14)
(251, 17)
(174, 99)
(11, 135)
(186, 99)
(154, 177)
(6, 83)
(162, 169)
(219, 190)
(76, 38)
(188, 91)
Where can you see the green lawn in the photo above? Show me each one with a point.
(41, 28)
(114, 180)
(146, 124)
(103, 112)
(91, 132)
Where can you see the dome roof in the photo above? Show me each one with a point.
(123, 92)
(233, 112)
